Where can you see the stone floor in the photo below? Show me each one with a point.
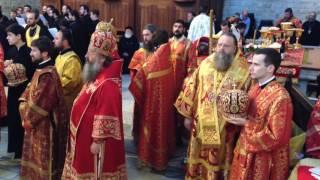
(9, 169)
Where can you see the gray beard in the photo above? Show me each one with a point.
(223, 61)
(90, 71)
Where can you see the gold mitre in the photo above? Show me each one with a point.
(104, 26)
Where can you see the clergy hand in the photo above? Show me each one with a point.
(7, 62)
(95, 148)
(187, 123)
(235, 120)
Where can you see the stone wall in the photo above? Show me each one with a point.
(7, 5)
(271, 9)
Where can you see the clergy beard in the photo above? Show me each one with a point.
(223, 61)
(90, 71)
(177, 35)
(148, 46)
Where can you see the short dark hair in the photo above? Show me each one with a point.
(75, 14)
(27, 5)
(288, 10)
(55, 11)
(180, 21)
(63, 23)
(50, 6)
(151, 27)
(17, 30)
(225, 23)
(44, 44)
(67, 35)
(160, 37)
(272, 57)
(204, 9)
(35, 12)
(95, 12)
(129, 27)
(85, 7)
(68, 7)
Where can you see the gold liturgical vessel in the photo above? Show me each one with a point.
(264, 36)
(289, 33)
(299, 32)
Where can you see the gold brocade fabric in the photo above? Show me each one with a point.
(43, 115)
(212, 139)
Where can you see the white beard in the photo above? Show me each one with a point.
(128, 35)
(90, 71)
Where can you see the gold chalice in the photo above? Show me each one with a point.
(299, 32)
(278, 35)
(289, 33)
(286, 25)
(264, 36)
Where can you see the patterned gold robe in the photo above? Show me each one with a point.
(212, 139)
(262, 151)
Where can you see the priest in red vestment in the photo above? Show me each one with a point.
(3, 99)
(141, 55)
(153, 90)
(313, 133)
(44, 117)
(183, 62)
(262, 151)
(139, 58)
(96, 142)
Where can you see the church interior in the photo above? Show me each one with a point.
(255, 25)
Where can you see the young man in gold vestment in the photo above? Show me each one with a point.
(68, 65)
(212, 138)
(33, 30)
(262, 151)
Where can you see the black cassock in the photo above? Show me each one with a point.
(15, 129)
(127, 47)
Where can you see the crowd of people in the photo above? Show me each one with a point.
(64, 102)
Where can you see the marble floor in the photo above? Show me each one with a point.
(9, 169)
